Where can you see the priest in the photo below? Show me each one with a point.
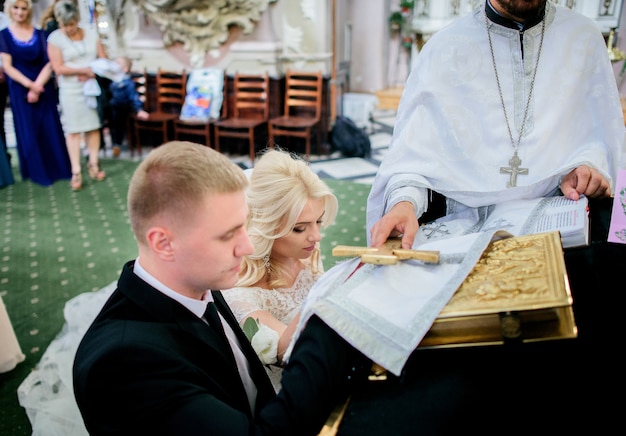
(516, 100)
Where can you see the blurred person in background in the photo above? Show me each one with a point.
(39, 134)
(71, 48)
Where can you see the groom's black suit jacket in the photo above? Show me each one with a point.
(147, 365)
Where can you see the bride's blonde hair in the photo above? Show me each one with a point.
(280, 186)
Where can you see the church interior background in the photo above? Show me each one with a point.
(362, 46)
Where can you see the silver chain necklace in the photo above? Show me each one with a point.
(514, 169)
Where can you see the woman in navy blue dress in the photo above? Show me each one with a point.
(6, 174)
(41, 148)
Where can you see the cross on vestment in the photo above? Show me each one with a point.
(513, 170)
(435, 229)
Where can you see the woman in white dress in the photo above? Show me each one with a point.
(71, 48)
(289, 205)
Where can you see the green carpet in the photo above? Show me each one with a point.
(57, 244)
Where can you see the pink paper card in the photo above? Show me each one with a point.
(617, 229)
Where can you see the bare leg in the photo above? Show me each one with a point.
(73, 149)
(92, 140)
(72, 141)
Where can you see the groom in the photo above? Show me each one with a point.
(152, 362)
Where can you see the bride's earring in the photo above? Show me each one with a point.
(266, 262)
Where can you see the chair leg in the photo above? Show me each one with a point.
(137, 141)
(319, 140)
(270, 136)
(137, 144)
(207, 135)
(216, 137)
(129, 134)
(307, 150)
(251, 141)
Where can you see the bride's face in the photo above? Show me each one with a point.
(305, 235)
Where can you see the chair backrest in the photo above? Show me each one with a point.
(170, 90)
(303, 94)
(141, 85)
(251, 93)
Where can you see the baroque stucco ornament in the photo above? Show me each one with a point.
(202, 25)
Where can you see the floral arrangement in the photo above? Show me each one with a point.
(263, 339)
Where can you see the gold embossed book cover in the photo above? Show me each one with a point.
(518, 281)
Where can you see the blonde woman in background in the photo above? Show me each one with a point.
(47, 22)
(71, 48)
(289, 205)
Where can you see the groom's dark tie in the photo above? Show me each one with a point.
(213, 318)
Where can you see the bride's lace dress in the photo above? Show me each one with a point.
(282, 303)
(47, 393)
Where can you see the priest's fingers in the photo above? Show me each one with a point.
(380, 231)
(400, 219)
(597, 186)
(585, 180)
(596, 190)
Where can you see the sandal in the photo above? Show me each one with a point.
(77, 182)
(95, 173)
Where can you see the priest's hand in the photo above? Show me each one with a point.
(587, 181)
(400, 220)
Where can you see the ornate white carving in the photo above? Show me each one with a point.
(308, 9)
(202, 26)
(293, 38)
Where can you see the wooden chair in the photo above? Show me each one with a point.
(302, 109)
(169, 98)
(250, 110)
(192, 129)
(141, 85)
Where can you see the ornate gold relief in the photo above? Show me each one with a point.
(518, 289)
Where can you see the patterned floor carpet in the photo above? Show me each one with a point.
(57, 244)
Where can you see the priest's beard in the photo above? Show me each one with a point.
(519, 10)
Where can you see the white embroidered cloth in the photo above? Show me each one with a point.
(385, 310)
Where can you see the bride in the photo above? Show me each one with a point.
(288, 207)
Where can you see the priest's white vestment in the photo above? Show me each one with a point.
(451, 135)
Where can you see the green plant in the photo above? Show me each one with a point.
(396, 20)
(407, 5)
(400, 22)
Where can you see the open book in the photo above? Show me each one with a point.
(519, 217)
